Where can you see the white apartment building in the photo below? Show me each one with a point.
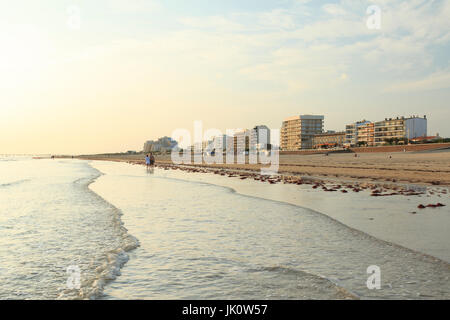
(221, 142)
(260, 138)
(400, 128)
(297, 132)
(241, 141)
(351, 132)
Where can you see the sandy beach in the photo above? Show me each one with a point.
(425, 168)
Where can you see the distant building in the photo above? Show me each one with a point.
(400, 128)
(207, 145)
(241, 141)
(366, 135)
(161, 145)
(351, 132)
(260, 138)
(149, 146)
(328, 140)
(221, 142)
(297, 132)
(201, 147)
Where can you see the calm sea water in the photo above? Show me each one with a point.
(51, 222)
(183, 240)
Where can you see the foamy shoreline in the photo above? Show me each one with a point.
(386, 211)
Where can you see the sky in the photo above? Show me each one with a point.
(84, 76)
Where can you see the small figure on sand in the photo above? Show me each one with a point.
(152, 159)
(147, 161)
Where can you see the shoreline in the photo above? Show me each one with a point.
(356, 205)
(300, 196)
(422, 169)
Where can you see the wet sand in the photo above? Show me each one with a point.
(412, 216)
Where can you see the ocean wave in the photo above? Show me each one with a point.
(326, 282)
(110, 269)
(206, 184)
(92, 287)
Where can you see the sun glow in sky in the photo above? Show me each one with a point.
(123, 72)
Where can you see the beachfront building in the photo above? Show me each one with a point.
(297, 132)
(221, 142)
(399, 129)
(366, 135)
(161, 145)
(351, 132)
(148, 146)
(260, 138)
(241, 141)
(328, 140)
(206, 145)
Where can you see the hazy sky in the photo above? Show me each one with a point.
(135, 70)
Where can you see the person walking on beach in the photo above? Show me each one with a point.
(152, 159)
(147, 161)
